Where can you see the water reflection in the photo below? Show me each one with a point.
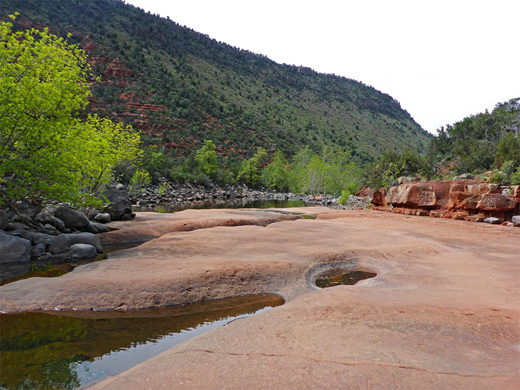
(221, 204)
(66, 350)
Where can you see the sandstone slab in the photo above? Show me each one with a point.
(442, 311)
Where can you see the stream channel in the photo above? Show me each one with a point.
(73, 349)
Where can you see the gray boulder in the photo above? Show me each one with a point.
(14, 249)
(38, 250)
(63, 242)
(44, 218)
(103, 218)
(99, 227)
(492, 220)
(57, 223)
(516, 220)
(119, 205)
(49, 229)
(407, 179)
(82, 251)
(73, 219)
(4, 221)
(11, 226)
(464, 176)
(37, 238)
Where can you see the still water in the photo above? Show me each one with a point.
(67, 350)
(222, 204)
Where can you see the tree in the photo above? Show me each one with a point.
(46, 151)
(508, 150)
(276, 174)
(316, 176)
(206, 159)
(249, 172)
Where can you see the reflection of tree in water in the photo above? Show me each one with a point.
(58, 374)
(41, 351)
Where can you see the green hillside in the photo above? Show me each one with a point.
(181, 87)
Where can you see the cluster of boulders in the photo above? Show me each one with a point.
(37, 236)
(468, 200)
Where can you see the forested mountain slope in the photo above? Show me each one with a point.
(181, 87)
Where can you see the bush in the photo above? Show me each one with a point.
(497, 177)
(139, 180)
(515, 177)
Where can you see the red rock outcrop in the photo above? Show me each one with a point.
(462, 199)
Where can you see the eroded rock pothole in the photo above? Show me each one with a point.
(335, 274)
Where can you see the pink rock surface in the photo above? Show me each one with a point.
(443, 311)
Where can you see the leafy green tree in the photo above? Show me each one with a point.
(206, 159)
(341, 171)
(508, 150)
(276, 174)
(249, 172)
(298, 169)
(316, 176)
(46, 151)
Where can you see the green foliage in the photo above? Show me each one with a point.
(210, 90)
(329, 173)
(515, 177)
(345, 194)
(249, 172)
(46, 151)
(508, 150)
(276, 174)
(480, 141)
(498, 177)
(139, 181)
(206, 159)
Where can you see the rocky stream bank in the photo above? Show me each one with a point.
(39, 236)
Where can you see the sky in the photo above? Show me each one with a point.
(443, 60)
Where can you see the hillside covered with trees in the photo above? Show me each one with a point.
(180, 88)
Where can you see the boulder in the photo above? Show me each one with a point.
(464, 176)
(496, 202)
(44, 217)
(99, 227)
(119, 204)
(73, 219)
(379, 197)
(408, 179)
(4, 220)
(516, 220)
(63, 242)
(103, 218)
(37, 238)
(38, 250)
(11, 226)
(492, 220)
(49, 229)
(57, 223)
(412, 195)
(14, 249)
(82, 251)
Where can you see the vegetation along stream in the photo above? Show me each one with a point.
(66, 350)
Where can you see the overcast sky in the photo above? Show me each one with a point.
(442, 60)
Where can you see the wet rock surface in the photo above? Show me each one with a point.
(442, 311)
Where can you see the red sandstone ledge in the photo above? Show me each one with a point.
(468, 200)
